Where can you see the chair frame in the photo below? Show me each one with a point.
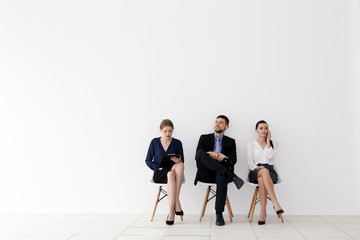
(162, 193)
(255, 200)
(158, 198)
(208, 198)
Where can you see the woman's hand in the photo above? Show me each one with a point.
(175, 159)
(268, 137)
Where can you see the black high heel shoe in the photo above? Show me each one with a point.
(279, 212)
(169, 222)
(180, 213)
(262, 222)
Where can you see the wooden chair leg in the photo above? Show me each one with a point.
(229, 208)
(232, 214)
(205, 202)
(254, 203)
(281, 217)
(156, 203)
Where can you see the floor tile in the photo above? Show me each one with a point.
(277, 232)
(231, 238)
(91, 238)
(139, 227)
(233, 229)
(149, 224)
(61, 230)
(139, 238)
(347, 225)
(316, 233)
(46, 238)
(145, 231)
(337, 219)
(96, 230)
(353, 233)
(118, 220)
(282, 238)
(303, 219)
(11, 238)
(328, 238)
(311, 226)
(192, 221)
(186, 238)
(188, 231)
(23, 231)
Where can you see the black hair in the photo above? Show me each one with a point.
(257, 125)
(259, 122)
(225, 118)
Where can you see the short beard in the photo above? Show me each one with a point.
(219, 131)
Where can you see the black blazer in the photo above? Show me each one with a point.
(228, 148)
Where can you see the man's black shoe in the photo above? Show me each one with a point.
(219, 219)
(238, 181)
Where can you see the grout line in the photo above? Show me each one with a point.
(337, 227)
(253, 229)
(128, 226)
(295, 227)
(14, 224)
(167, 229)
(32, 234)
(91, 224)
(211, 225)
(136, 218)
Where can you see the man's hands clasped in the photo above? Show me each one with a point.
(217, 156)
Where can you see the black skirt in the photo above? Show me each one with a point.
(253, 174)
(160, 176)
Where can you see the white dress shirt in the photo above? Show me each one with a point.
(256, 154)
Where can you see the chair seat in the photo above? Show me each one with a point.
(206, 183)
(279, 182)
(151, 182)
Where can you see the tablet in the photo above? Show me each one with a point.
(166, 161)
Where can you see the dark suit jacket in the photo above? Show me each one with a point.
(228, 148)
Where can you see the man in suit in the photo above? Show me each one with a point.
(215, 160)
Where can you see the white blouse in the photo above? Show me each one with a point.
(256, 155)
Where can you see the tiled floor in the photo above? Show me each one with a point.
(139, 227)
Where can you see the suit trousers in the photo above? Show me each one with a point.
(212, 171)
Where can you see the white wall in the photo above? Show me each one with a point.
(84, 86)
